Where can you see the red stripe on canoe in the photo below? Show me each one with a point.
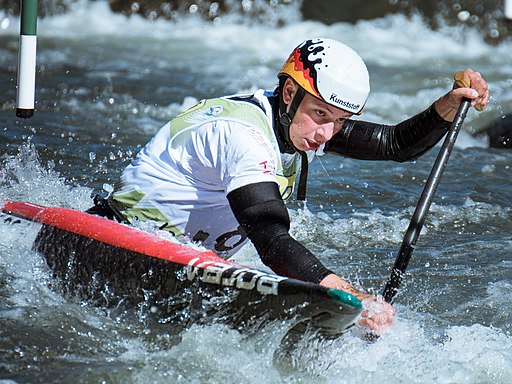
(110, 232)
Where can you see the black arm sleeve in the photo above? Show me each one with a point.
(405, 141)
(261, 212)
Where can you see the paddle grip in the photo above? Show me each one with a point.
(462, 80)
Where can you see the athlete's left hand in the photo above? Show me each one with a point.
(478, 93)
(377, 314)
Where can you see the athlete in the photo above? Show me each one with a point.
(220, 173)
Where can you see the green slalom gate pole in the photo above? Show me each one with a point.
(26, 90)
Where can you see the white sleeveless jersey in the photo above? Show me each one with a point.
(181, 178)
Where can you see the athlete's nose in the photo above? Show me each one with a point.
(324, 132)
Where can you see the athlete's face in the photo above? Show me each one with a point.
(315, 121)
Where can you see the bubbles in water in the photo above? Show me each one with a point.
(464, 15)
(135, 6)
(4, 24)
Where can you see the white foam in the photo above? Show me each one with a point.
(24, 178)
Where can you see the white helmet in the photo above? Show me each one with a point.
(330, 71)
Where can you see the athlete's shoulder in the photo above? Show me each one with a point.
(249, 108)
(254, 107)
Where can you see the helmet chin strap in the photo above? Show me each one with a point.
(285, 119)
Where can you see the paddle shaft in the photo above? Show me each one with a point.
(429, 190)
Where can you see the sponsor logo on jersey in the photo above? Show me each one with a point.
(268, 167)
(215, 111)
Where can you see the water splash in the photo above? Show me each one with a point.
(23, 177)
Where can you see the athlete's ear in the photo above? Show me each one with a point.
(289, 90)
